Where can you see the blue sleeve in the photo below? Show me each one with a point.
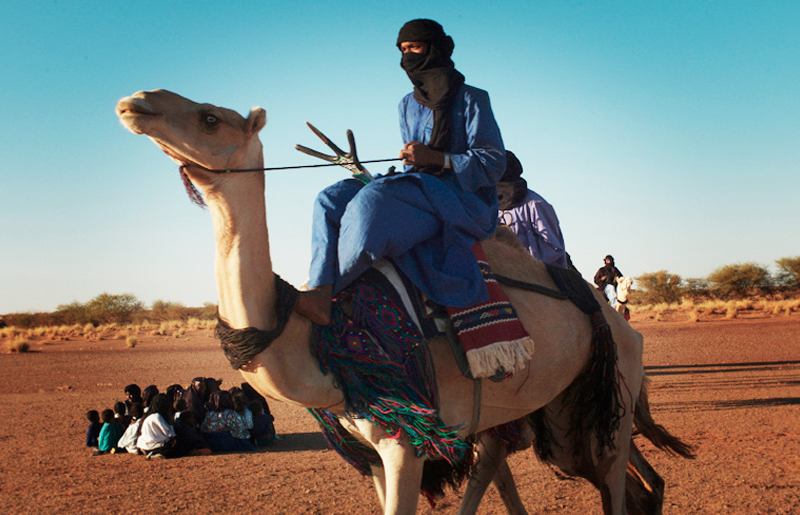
(479, 160)
(476, 148)
(548, 241)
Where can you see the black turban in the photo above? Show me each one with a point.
(513, 168)
(512, 176)
(433, 74)
(428, 31)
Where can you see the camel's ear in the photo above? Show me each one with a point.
(257, 120)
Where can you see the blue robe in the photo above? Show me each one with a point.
(536, 225)
(425, 224)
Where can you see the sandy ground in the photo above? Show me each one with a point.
(731, 388)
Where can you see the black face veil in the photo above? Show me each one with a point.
(433, 74)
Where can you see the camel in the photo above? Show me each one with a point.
(207, 141)
(623, 290)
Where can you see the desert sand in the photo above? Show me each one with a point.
(731, 388)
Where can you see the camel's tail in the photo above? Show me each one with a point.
(656, 433)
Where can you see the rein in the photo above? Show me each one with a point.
(239, 170)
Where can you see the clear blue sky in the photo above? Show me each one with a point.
(664, 133)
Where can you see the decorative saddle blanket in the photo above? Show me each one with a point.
(491, 334)
(379, 360)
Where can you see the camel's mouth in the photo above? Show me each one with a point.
(131, 109)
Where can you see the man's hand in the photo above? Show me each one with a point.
(415, 153)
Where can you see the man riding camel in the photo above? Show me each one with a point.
(427, 218)
(606, 280)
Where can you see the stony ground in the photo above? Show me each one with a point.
(731, 388)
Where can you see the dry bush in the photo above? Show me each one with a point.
(19, 344)
(37, 331)
(10, 332)
(661, 307)
(732, 312)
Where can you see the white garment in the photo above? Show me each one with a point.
(156, 432)
(128, 439)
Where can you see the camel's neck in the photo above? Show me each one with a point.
(245, 282)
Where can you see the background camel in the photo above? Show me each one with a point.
(205, 139)
(623, 290)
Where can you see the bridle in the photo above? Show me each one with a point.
(274, 168)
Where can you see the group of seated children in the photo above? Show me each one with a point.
(198, 420)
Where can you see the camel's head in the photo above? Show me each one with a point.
(623, 288)
(205, 135)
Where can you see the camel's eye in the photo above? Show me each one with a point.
(210, 120)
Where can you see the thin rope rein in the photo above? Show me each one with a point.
(236, 170)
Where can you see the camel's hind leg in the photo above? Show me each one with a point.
(644, 488)
(491, 466)
(609, 474)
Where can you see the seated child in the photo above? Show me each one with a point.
(120, 415)
(109, 434)
(128, 439)
(94, 428)
(156, 435)
(178, 407)
(223, 427)
(263, 432)
(189, 440)
(240, 407)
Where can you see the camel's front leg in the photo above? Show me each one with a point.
(379, 479)
(491, 466)
(398, 483)
(403, 476)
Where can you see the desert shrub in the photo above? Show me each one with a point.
(788, 271)
(24, 320)
(208, 312)
(661, 286)
(8, 332)
(74, 313)
(739, 280)
(696, 287)
(162, 310)
(19, 344)
(106, 308)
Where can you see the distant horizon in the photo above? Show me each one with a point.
(148, 305)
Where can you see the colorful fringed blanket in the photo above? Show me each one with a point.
(380, 362)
